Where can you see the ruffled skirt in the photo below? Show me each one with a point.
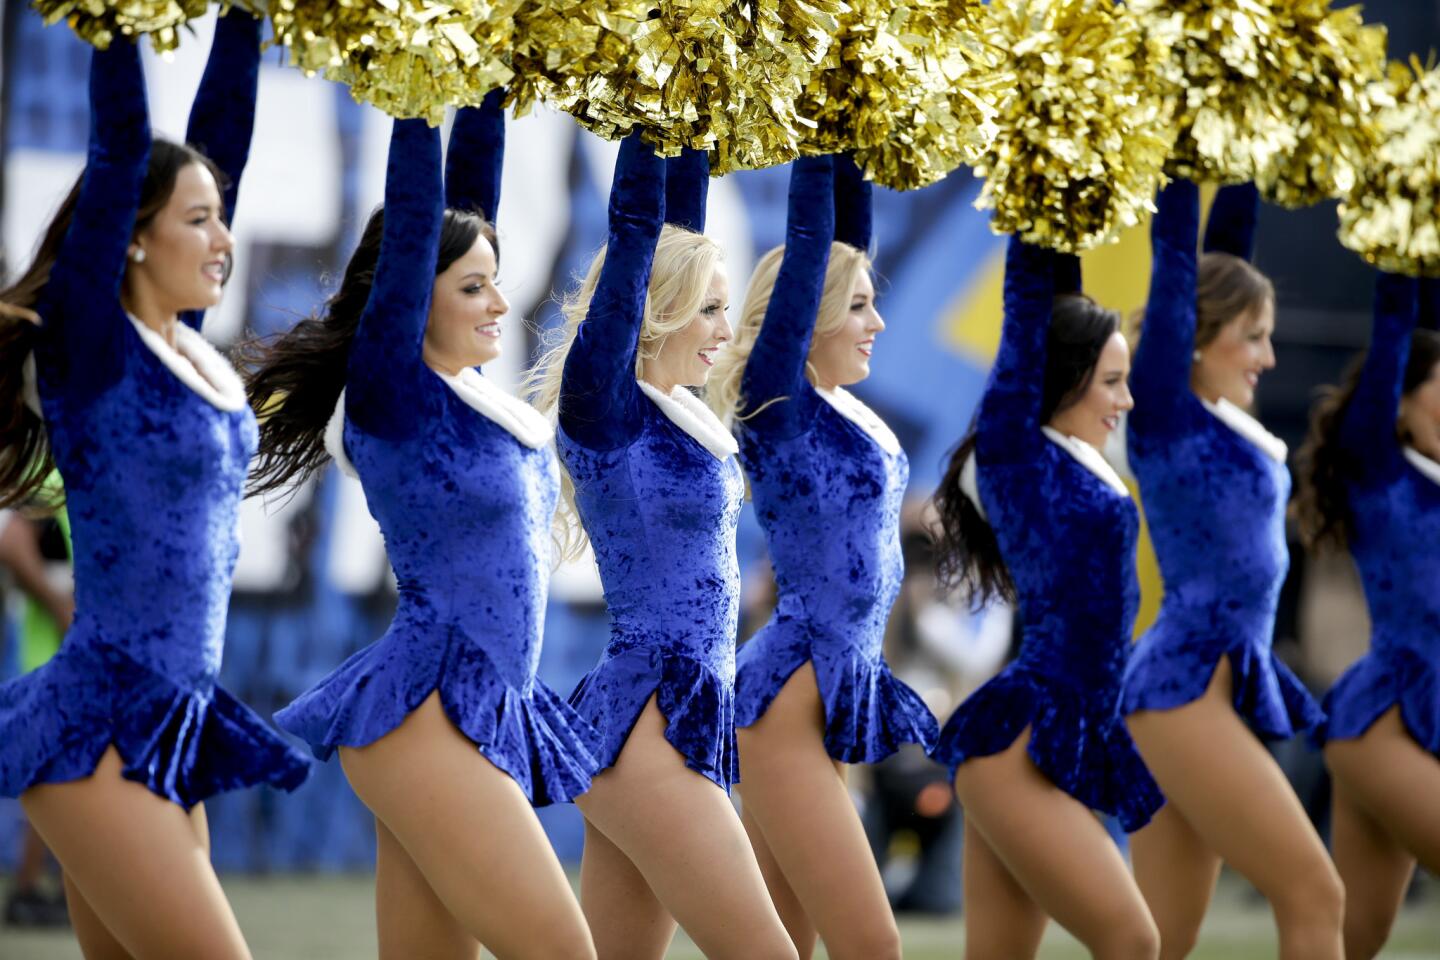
(1375, 683)
(868, 713)
(185, 743)
(698, 706)
(1076, 740)
(534, 736)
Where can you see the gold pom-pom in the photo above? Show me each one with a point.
(1330, 59)
(1392, 216)
(410, 58)
(98, 22)
(1083, 142)
(913, 89)
(559, 42)
(711, 75)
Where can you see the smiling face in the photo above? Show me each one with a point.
(686, 356)
(1095, 414)
(1230, 365)
(1420, 416)
(179, 260)
(463, 329)
(842, 357)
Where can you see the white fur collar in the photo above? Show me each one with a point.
(515, 416)
(1422, 463)
(1089, 458)
(1248, 427)
(196, 364)
(852, 408)
(335, 438)
(686, 411)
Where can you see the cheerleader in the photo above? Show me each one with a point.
(1203, 686)
(1370, 480)
(658, 489)
(115, 742)
(1031, 512)
(442, 728)
(828, 477)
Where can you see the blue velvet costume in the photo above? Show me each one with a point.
(154, 443)
(660, 505)
(1215, 502)
(1068, 538)
(827, 494)
(465, 503)
(1396, 543)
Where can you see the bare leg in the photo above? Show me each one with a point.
(96, 942)
(1376, 871)
(682, 835)
(797, 795)
(1176, 871)
(410, 919)
(1000, 918)
(625, 917)
(792, 914)
(1058, 852)
(138, 866)
(1229, 789)
(31, 867)
(469, 831)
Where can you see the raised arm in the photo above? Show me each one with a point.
(1367, 431)
(385, 358)
(854, 205)
(687, 188)
(476, 157)
(80, 307)
(1430, 304)
(597, 388)
(1008, 427)
(1160, 378)
(222, 118)
(1231, 227)
(776, 368)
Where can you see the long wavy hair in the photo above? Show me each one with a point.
(967, 554)
(1226, 287)
(294, 379)
(25, 455)
(1322, 504)
(722, 392)
(680, 276)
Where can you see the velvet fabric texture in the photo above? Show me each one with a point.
(1396, 543)
(475, 157)
(153, 473)
(1230, 227)
(466, 508)
(1068, 538)
(660, 507)
(1215, 503)
(687, 189)
(828, 497)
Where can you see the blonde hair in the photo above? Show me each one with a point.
(680, 275)
(722, 392)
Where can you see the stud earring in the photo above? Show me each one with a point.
(138, 255)
(1195, 355)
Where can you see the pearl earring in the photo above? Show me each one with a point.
(1195, 355)
(138, 255)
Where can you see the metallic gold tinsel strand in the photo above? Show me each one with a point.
(98, 22)
(1392, 216)
(1083, 142)
(560, 42)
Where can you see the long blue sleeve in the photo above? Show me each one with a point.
(1367, 432)
(1160, 379)
(687, 189)
(1231, 227)
(776, 368)
(598, 394)
(854, 204)
(1008, 426)
(384, 383)
(222, 118)
(80, 306)
(476, 157)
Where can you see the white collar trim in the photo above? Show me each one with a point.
(196, 364)
(970, 485)
(1422, 463)
(1089, 458)
(686, 411)
(1248, 427)
(852, 408)
(513, 415)
(335, 438)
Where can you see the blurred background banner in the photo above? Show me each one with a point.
(312, 583)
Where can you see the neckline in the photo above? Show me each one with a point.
(1429, 468)
(196, 364)
(513, 415)
(854, 409)
(335, 438)
(686, 411)
(1089, 458)
(1248, 427)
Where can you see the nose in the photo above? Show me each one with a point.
(877, 322)
(1127, 399)
(1267, 355)
(222, 240)
(500, 306)
(722, 331)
